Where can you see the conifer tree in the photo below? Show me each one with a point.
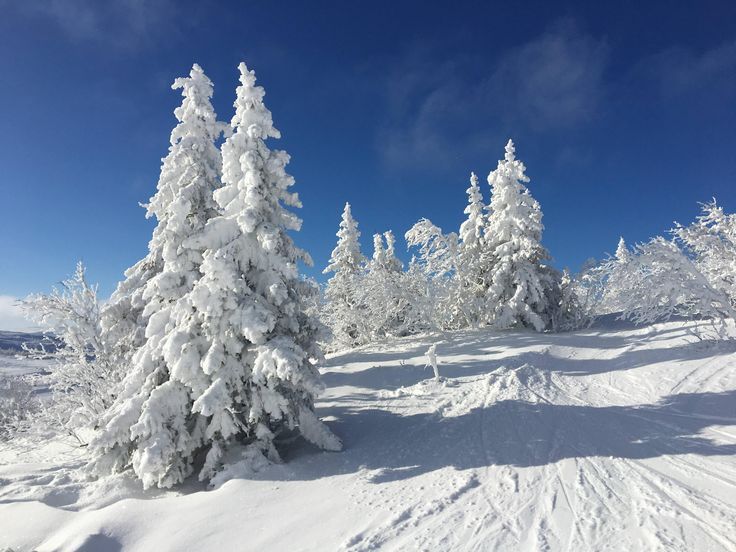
(343, 312)
(518, 281)
(619, 274)
(235, 368)
(143, 422)
(468, 287)
(182, 204)
(382, 290)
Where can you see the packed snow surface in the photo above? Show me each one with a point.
(613, 438)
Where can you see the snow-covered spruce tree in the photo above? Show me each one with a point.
(343, 312)
(518, 281)
(391, 262)
(84, 379)
(419, 295)
(182, 204)
(617, 274)
(570, 311)
(145, 412)
(236, 368)
(469, 286)
(401, 295)
(381, 290)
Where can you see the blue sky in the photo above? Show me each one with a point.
(624, 113)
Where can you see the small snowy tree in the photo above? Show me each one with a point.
(418, 298)
(518, 281)
(235, 369)
(617, 273)
(84, 378)
(182, 204)
(343, 312)
(382, 292)
(438, 252)
(570, 310)
(438, 262)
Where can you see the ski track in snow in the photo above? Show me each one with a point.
(605, 439)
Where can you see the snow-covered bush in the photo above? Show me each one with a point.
(518, 281)
(229, 364)
(711, 242)
(84, 380)
(343, 312)
(665, 282)
(689, 276)
(588, 287)
(17, 405)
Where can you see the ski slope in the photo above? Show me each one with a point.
(613, 438)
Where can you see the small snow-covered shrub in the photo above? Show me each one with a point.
(17, 405)
(83, 379)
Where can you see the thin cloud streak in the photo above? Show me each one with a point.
(554, 82)
(125, 25)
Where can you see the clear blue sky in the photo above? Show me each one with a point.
(624, 113)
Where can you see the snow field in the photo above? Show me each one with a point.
(612, 438)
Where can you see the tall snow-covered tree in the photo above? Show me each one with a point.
(469, 285)
(143, 419)
(182, 204)
(237, 349)
(518, 281)
(343, 312)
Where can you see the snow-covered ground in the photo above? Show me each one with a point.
(606, 439)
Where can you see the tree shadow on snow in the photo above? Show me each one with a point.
(513, 433)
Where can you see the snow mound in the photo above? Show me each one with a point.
(524, 383)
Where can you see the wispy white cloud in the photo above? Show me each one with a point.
(123, 24)
(11, 316)
(681, 72)
(554, 81)
(438, 107)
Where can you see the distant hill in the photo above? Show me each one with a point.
(12, 342)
